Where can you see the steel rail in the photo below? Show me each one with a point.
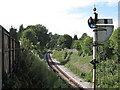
(61, 74)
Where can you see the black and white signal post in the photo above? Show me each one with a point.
(103, 29)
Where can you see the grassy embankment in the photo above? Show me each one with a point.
(80, 65)
(32, 72)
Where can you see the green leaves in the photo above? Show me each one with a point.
(75, 37)
(77, 45)
(35, 37)
(13, 33)
(65, 41)
(30, 35)
(116, 41)
(84, 45)
(87, 46)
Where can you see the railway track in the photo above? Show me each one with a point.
(61, 73)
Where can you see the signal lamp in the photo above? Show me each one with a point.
(90, 22)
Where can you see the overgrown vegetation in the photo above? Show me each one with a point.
(78, 64)
(32, 72)
(107, 68)
(36, 38)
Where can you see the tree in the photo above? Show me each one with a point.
(37, 37)
(21, 29)
(83, 36)
(30, 35)
(77, 45)
(13, 33)
(52, 41)
(115, 42)
(65, 41)
(41, 34)
(75, 37)
(87, 46)
(108, 50)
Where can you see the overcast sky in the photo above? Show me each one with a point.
(59, 16)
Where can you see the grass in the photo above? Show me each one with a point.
(81, 66)
(81, 61)
(62, 56)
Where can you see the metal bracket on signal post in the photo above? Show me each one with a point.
(100, 29)
(94, 61)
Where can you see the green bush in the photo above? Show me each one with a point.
(32, 72)
(68, 55)
(80, 53)
(62, 56)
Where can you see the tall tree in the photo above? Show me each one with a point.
(52, 41)
(30, 35)
(83, 36)
(37, 34)
(77, 45)
(21, 29)
(65, 41)
(115, 41)
(13, 33)
(75, 37)
(87, 46)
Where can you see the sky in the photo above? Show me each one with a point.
(59, 16)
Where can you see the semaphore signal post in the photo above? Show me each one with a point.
(103, 29)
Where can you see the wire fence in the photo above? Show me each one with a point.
(9, 49)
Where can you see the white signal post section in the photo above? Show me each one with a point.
(94, 57)
(94, 51)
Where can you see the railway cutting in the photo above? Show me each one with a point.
(65, 74)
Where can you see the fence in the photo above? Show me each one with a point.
(8, 53)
